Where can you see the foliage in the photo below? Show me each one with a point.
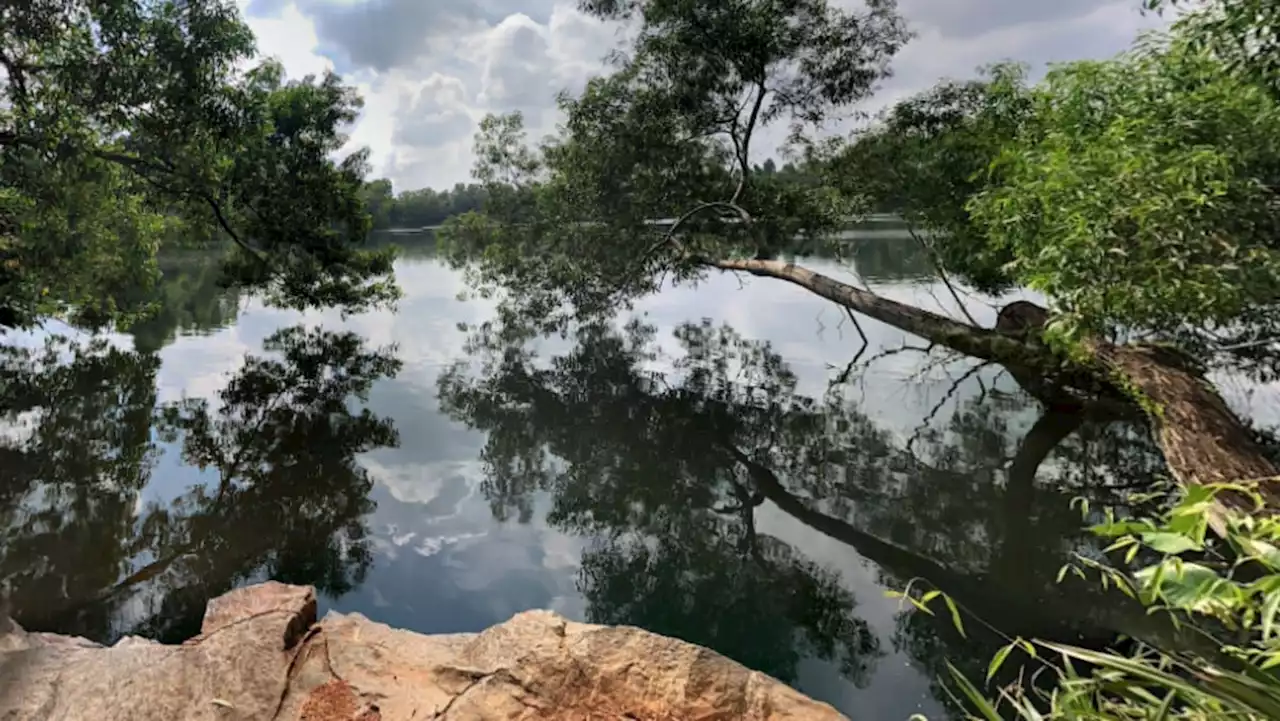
(379, 199)
(670, 134)
(1226, 590)
(1136, 193)
(284, 496)
(926, 156)
(420, 208)
(125, 123)
(1243, 34)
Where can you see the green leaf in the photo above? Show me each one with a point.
(1166, 705)
(975, 697)
(955, 614)
(1270, 606)
(1229, 694)
(998, 659)
(1169, 543)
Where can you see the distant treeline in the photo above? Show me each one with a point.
(428, 207)
(419, 208)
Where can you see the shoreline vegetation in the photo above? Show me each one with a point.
(1139, 195)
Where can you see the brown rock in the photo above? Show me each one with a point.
(259, 656)
(297, 604)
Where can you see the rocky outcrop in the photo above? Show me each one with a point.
(261, 655)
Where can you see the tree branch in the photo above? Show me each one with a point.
(744, 150)
(138, 165)
(942, 274)
(844, 377)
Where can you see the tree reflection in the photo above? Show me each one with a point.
(649, 471)
(77, 451)
(190, 297)
(666, 470)
(284, 496)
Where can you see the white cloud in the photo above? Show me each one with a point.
(290, 36)
(429, 70)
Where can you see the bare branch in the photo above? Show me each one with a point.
(942, 273)
(844, 376)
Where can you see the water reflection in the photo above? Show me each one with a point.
(665, 471)
(189, 298)
(286, 499)
(686, 477)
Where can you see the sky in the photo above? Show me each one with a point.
(429, 70)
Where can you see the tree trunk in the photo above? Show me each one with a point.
(1203, 441)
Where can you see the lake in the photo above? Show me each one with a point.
(709, 467)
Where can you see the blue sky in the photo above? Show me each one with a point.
(430, 69)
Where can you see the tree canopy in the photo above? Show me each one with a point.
(1136, 193)
(126, 122)
(670, 132)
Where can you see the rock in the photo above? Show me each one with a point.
(261, 655)
(296, 604)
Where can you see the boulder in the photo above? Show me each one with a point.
(262, 655)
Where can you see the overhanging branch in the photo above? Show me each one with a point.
(140, 166)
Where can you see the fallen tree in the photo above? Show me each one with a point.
(1203, 440)
(1134, 193)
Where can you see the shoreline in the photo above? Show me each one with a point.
(262, 654)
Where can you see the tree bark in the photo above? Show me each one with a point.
(1202, 440)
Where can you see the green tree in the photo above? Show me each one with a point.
(1136, 193)
(125, 122)
(379, 199)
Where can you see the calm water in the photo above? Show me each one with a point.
(698, 478)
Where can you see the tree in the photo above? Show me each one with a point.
(1150, 170)
(125, 122)
(379, 199)
(285, 498)
(1245, 35)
